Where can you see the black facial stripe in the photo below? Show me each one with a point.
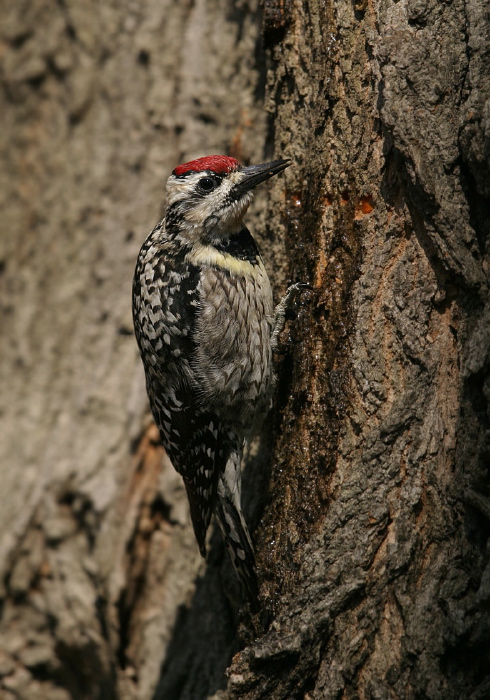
(202, 173)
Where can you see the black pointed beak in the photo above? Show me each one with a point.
(255, 174)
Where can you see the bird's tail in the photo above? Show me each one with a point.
(239, 545)
(233, 525)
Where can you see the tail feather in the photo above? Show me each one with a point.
(200, 519)
(239, 545)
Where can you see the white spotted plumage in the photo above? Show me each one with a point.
(205, 326)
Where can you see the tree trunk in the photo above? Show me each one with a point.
(369, 498)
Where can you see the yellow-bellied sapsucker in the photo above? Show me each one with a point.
(206, 328)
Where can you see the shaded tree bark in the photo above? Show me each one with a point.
(369, 499)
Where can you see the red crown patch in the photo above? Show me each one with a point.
(217, 164)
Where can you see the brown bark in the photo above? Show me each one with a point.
(370, 502)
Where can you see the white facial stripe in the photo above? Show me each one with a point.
(180, 188)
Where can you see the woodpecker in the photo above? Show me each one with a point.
(206, 329)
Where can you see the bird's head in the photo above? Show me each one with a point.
(208, 197)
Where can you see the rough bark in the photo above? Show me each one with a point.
(370, 500)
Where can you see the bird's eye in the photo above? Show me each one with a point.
(207, 184)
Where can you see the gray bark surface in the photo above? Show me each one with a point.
(368, 493)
